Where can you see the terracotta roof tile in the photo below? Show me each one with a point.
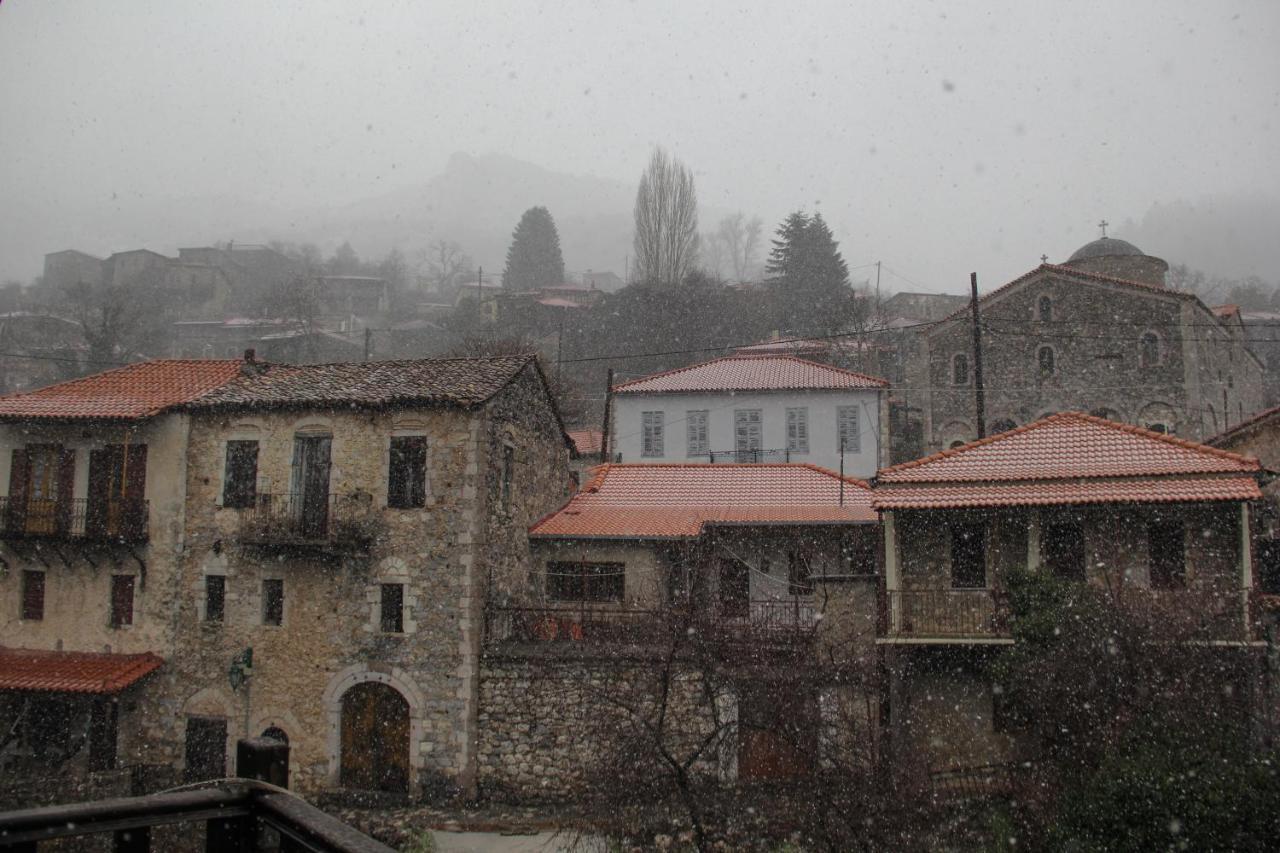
(1064, 492)
(134, 391)
(454, 381)
(72, 672)
(586, 441)
(1068, 445)
(677, 501)
(751, 373)
(1244, 425)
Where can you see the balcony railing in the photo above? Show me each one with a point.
(300, 519)
(945, 614)
(761, 620)
(753, 456)
(94, 519)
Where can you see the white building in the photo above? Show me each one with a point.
(754, 409)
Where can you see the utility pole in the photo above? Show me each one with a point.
(877, 287)
(368, 342)
(604, 431)
(979, 404)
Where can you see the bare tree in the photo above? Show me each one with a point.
(666, 214)
(444, 261)
(119, 319)
(741, 239)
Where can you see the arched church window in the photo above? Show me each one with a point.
(1045, 309)
(1045, 361)
(1002, 425)
(1149, 354)
(960, 369)
(1160, 428)
(1106, 414)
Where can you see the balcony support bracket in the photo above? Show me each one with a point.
(142, 566)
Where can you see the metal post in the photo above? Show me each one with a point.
(979, 404)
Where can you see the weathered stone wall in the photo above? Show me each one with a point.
(1094, 331)
(444, 554)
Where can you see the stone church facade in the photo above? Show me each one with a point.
(1099, 333)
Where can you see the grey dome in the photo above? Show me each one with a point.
(1104, 247)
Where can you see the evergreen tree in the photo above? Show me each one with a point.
(534, 260)
(809, 277)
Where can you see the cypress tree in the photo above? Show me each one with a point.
(533, 259)
(810, 278)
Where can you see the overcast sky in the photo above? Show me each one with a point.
(939, 137)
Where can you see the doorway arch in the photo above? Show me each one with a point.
(374, 739)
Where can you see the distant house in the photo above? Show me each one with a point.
(608, 282)
(69, 267)
(771, 408)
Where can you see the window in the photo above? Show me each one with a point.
(392, 608)
(960, 369)
(1149, 350)
(407, 472)
(747, 435)
(215, 597)
(699, 440)
(1044, 360)
(968, 556)
(1168, 560)
(273, 601)
(651, 434)
(121, 600)
(1001, 425)
(1064, 550)
(508, 473)
(240, 479)
(1045, 309)
(798, 580)
(586, 581)
(798, 430)
(206, 748)
(849, 439)
(117, 491)
(32, 595)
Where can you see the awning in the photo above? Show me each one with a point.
(72, 672)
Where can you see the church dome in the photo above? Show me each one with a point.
(1104, 247)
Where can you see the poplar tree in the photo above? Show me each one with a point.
(533, 259)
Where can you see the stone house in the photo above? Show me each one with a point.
(1259, 437)
(770, 408)
(1140, 512)
(1099, 333)
(775, 564)
(91, 538)
(345, 525)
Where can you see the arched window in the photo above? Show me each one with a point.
(1044, 359)
(953, 445)
(960, 369)
(1001, 425)
(1106, 414)
(1160, 428)
(1045, 309)
(1150, 349)
(277, 734)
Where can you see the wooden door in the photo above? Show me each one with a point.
(777, 727)
(375, 739)
(735, 588)
(311, 484)
(206, 748)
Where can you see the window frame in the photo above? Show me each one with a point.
(122, 587)
(507, 476)
(697, 432)
(748, 423)
(388, 614)
(1177, 562)
(272, 604)
(562, 573)
(407, 457)
(1144, 362)
(39, 589)
(961, 531)
(212, 615)
(844, 416)
(1041, 370)
(960, 358)
(653, 434)
(239, 488)
(798, 429)
(1044, 308)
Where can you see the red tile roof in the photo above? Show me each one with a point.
(586, 441)
(72, 672)
(676, 501)
(1069, 458)
(751, 373)
(1243, 426)
(131, 392)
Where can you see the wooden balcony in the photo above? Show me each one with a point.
(123, 520)
(944, 615)
(763, 621)
(339, 523)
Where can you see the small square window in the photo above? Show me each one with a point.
(215, 597)
(121, 600)
(392, 610)
(273, 601)
(32, 595)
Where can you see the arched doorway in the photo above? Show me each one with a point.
(375, 739)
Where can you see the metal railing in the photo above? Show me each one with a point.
(766, 619)
(301, 518)
(233, 815)
(95, 519)
(979, 781)
(748, 456)
(945, 614)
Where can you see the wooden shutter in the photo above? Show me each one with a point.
(32, 595)
(121, 600)
(66, 489)
(133, 516)
(95, 521)
(19, 476)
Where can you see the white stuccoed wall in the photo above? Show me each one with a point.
(625, 438)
